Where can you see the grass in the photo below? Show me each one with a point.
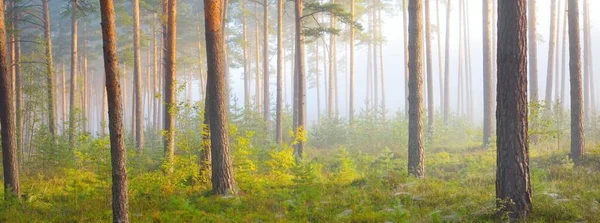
(335, 185)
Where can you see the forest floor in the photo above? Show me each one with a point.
(333, 185)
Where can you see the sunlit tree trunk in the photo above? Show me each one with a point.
(430, 106)
(332, 85)
(170, 84)
(49, 71)
(120, 204)
(439, 51)
(85, 87)
(64, 96)
(551, 50)
(577, 135)
(222, 170)
(74, 72)
(245, 62)
(416, 165)
(532, 38)
(351, 91)
(487, 74)
(300, 97)
(279, 105)
(588, 55)
(7, 119)
(380, 30)
(266, 101)
(137, 79)
(447, 66)
(564, 54)
(257, 59)
(513, 189)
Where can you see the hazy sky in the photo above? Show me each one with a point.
(394, 59)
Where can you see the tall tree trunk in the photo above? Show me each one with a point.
(280, 55)
(564, 53)
(588, 93)
(74, 72)
(257, 58)
(332, 85)
(222, 171)
(84, 88)
(64, 96)
(374, 40)
(7, 119)
(104, 123)
(577, 135)
(137, 78)
(551, 46)
(439, 51)
(380, 30)
(266, 101)
(416, 165)
(18, 78)
(351, 92)
(447, 66)
(588, 55)
(49, 70)
(487, 74)
(120, 205)
(300, 97)
(533, 61)
(513, 189)
(155, 100)
(246, 65)
(170, 84)
(430, 106)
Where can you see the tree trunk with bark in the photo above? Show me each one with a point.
(137, 79)
(120, 204)
(351, 96)
(513, 189)
(577, 135)
(416, 165)
(487, 74)
(300, 97)
(280, 55)
(49, 71)
(170, 84)
(551, 50)
(533, 61)
(74, 72)
(7, 119)
(430, 105)
(447, 66)
(222, 170)
(266, 95)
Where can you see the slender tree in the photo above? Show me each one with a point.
(170, 83)
(487, 74)
(300, 97)
(447, 66)
(351, 99)
(279, 105)
(430, 106)
(513, 189)
(137, 78)
(551, 50)
(533, 60)
(49, 70)
(577, 135)
(416, 165)
(7, 119)
(74, 72)
(120, 204)
(266, 94)
(222, 170)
